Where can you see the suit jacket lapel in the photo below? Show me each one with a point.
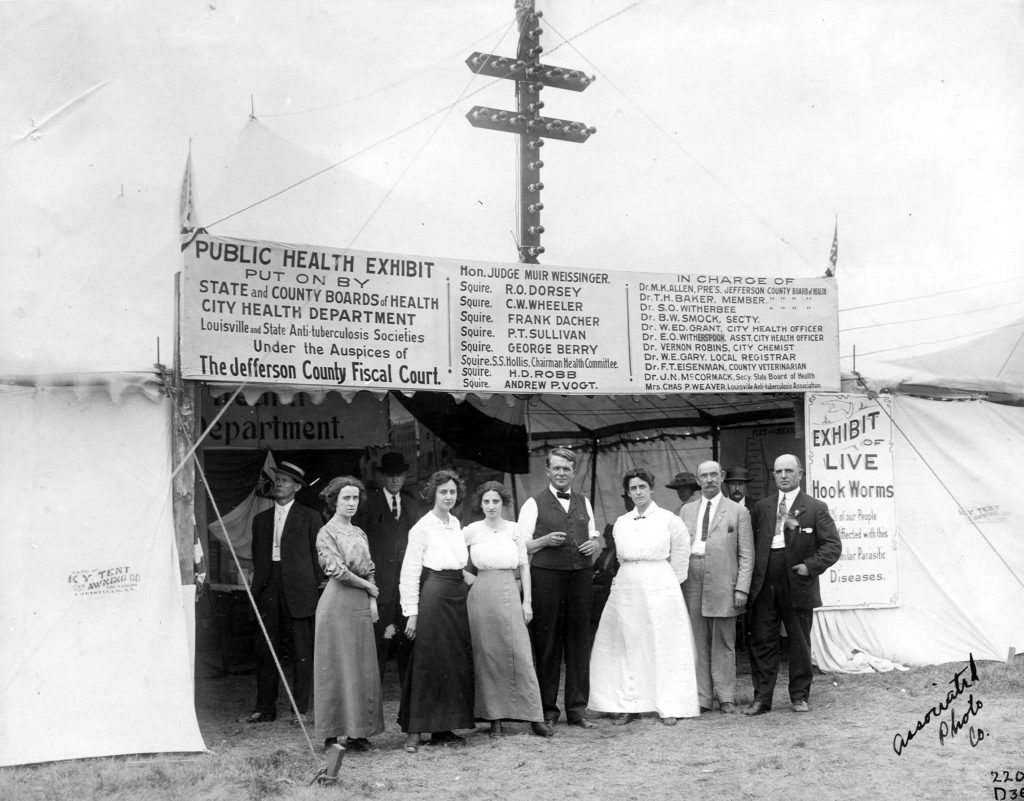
(770, 532)
(719, 516)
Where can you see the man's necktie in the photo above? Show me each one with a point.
(706, 523)
(394, 506)
(563, 495)
(782, 514)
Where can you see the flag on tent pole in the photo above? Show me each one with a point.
(238, 522)
(187, 207)
(834, 255)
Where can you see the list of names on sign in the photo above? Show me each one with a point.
(707, 333)
(272, 313)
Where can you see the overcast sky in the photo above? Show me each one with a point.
(729, 137)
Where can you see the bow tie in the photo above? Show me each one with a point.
(563, 495)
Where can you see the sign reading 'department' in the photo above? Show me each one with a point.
(272, 313)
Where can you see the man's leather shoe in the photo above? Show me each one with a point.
(727, 707)
(583, 723)
(542, 729)
(261, 717)
(756, 708)
(801, 706)
(704, 709)
(624, 718)
(358, 744)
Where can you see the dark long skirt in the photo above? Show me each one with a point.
(438, 692)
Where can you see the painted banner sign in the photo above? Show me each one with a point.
(850, 467)
(299, 424)
(270, 313)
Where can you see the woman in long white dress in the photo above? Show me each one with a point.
(643, 656)
(506, 682)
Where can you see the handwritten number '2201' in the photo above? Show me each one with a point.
(1006, 777)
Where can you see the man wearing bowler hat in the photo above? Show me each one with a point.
(736, 487)
(386, 517)
(687, 487)
(286, 584)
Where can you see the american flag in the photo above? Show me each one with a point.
(187, 207)
(833, 257)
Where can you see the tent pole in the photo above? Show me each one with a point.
(716, 441)
(183, 481)
(593, 472)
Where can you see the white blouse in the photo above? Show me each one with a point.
(504, 549)
(433, 544)
(657, 535)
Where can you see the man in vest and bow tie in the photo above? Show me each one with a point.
(715, 590)
(561, 538)
(795, 541)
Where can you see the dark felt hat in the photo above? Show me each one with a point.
(684, 480)
(393, 464)
(736, 474)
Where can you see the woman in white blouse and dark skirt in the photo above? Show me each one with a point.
(437, 696)
(346, 682)
(506, 682)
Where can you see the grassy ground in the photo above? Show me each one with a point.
(843, 749)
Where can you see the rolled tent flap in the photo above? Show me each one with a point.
(472, 434)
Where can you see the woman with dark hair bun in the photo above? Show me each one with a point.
(437, 696)
(643, 653)
(506, 682)
(346, 683)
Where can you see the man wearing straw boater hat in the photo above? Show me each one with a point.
(285, 583)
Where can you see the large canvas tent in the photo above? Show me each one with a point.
(96, 625)
(97, 636)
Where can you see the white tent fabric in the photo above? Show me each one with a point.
(95, 644)
(961, 553)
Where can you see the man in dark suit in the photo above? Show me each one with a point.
(285, 583)
(736, 488)
(386, 517)
(795, 541)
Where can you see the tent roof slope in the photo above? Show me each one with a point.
(991, 366)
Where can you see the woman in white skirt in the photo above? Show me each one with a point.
(643, 656)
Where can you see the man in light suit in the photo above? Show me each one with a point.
(386, 517)
(795, 541)
(286, 586)
(715, 590)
